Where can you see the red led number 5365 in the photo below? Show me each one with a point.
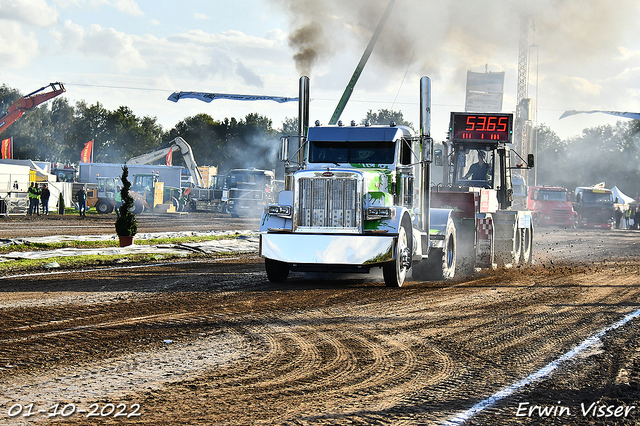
(487, 124)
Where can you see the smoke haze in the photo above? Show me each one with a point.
(460, 35)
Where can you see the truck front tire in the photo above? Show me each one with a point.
(395, 272)
(277, 271)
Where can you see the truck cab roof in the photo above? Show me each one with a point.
(358, 133)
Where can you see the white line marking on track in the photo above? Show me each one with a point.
(543, 373)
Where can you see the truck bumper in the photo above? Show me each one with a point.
(327, 249)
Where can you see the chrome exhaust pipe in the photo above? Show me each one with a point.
(427, 152)
(303, 128)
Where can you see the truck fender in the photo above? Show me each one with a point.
(391, 225)
(439, 219)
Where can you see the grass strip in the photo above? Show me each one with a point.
(112, 243)
(84, 261)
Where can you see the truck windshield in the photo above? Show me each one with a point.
(352, 152)
(552, 195)
(247, 179)
(597, 197)
(475, 167)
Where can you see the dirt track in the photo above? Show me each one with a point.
(213, 342)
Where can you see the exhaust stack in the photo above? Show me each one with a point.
(303, 128)
(426, 153)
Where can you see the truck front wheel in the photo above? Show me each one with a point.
(277, 271)
(395, 272)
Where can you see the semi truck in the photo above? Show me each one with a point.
(248, 191)
(357, 199)
(519, 191)
(551, 206)
(594, 207)
(477, 186)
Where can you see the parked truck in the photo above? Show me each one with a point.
(248, 191)
(594, 207)
(551, 206)
(356, 199)
(477, 186)
(519, 191)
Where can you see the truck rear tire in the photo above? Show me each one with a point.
(137, 207)
(527, 246)
(277, 271)
(517, 246)
(395, 272)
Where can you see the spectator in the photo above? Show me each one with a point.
(33, 193)
(618, 214)
(44, 198)
(81, 196)
(627, 217)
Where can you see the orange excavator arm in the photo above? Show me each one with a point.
(28, 102)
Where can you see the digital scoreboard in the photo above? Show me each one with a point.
(481, 127)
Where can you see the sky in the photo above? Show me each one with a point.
(583, 55)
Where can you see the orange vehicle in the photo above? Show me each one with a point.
(29, 102)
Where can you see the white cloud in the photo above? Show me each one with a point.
(33, 12)
(17, 49)
(128, 6)
(200, 17)
(108, 43)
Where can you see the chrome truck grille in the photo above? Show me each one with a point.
(328, 204)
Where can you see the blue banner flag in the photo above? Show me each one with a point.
(633, 115)
(208, 97)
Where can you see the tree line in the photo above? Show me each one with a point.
(609, 154)
(56, 131)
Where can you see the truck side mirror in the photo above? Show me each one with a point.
(284, 149)
(530, 161)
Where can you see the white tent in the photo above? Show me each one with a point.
(622, 198)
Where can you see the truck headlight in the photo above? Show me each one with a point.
(280, 211)
(374, 213)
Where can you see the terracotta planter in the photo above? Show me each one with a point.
(125, 241)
